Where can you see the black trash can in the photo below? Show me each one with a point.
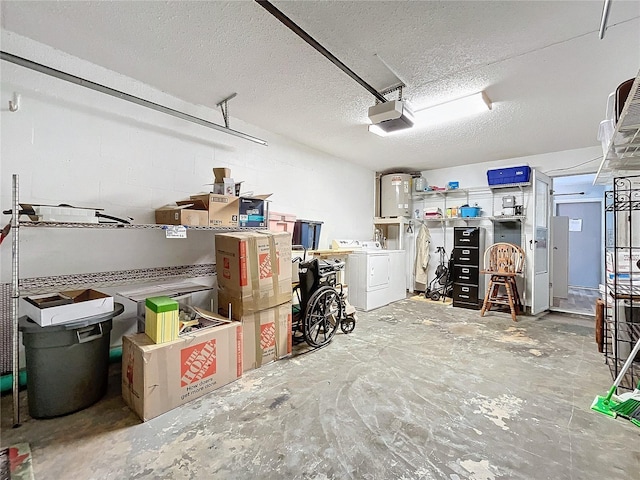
(67, 364)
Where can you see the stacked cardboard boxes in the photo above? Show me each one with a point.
(254, 282)
(223, 207)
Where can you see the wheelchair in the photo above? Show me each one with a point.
(322, 304)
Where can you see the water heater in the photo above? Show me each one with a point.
(395, 195)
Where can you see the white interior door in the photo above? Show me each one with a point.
(538, 247)
(560, 245)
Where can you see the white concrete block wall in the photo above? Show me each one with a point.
(72, 145)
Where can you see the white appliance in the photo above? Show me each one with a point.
(395, 195)
(375, 277)
(348, 244)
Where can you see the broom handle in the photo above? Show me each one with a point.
(632, 355)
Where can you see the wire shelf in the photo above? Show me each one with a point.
(623, 153)
(131, 226)
(508, 218)
(114, 278)
(510, 185)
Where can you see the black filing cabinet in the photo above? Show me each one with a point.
(468, 252)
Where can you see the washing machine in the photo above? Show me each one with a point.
(376, 277)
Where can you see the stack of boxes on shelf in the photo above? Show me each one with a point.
(223, 207)
(254, 287)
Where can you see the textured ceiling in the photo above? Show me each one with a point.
(540, 62)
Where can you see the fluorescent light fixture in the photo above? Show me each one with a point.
(454, 109)
(379, 131)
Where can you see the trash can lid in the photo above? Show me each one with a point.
(25, 324)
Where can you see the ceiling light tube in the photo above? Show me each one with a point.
(454, 109)
(378, 131)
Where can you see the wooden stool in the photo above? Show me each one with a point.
(504, 262)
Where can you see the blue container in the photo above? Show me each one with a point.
(502, 176)
(469, 212)
(307, 233)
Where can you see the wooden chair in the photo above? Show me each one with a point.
(503, 261)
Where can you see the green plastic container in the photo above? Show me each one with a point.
(161, 304)
(67, 364)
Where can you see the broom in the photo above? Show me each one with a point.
(605, 404)
(629, 406)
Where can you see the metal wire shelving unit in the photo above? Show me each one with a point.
(622, 157)
(26, 286)
(622, 264)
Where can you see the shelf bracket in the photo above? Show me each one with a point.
(224, 107)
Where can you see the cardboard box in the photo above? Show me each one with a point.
(281, 222)
(628, 261)
(65, 307)
(219, 174)
(159, 377)
(223, 209)
(161, 319)
(226, 187)
(186, 212)
(254, 270)
(266, 336)
(251, 212)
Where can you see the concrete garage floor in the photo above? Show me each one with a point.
(418, 391)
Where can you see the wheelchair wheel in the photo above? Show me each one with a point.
(435, 296)
(323, 314)
(348, 324)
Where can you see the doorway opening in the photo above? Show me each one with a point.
(578, 244)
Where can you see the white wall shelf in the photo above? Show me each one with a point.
(511, 185)
(455, 219)
(622, 157)
(507, 218)
(495, 218)
(442, 193)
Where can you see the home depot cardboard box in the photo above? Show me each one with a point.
(222, 209)
(254, 270)
(159, 377)
(266, 336)
(186, 212)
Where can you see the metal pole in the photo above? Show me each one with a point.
(605, 17)
(23, 62)
(269, 7)
(15, 295)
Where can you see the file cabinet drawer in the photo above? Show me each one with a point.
(464, 274)
(466, 256)
(466, 237)
(465, 293)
